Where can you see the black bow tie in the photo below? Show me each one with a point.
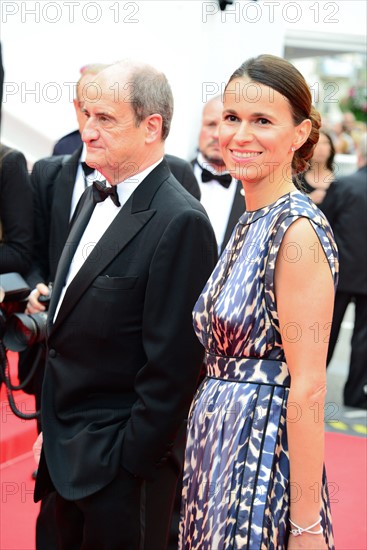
(223, 179)
(101, 192)
(87, 169)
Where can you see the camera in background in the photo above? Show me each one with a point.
(17, 329)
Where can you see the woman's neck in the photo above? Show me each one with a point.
(261, 194)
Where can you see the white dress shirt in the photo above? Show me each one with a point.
(102, 216)
(216, 199)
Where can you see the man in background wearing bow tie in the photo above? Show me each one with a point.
(221, 195)
(58, 183)
(123, 359)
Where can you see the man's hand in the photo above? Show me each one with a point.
(33, 305)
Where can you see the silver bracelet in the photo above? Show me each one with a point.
(299, 530)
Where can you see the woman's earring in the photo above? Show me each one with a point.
(293, 148)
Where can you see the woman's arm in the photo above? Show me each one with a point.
(305, 297)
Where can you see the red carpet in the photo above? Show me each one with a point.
(346, 463)
(18, 511)
(17, 436)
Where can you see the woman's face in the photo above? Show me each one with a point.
(322, 150)
(257, 132)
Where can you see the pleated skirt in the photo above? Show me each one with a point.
(236, 489)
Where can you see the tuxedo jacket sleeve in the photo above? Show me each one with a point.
(123, 358)
(16, 213)
(345, 206)
(183, 172)
(178, 270)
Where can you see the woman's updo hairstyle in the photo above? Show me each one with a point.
(280, 75)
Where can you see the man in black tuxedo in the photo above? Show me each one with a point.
(345, 206)
(123, 359)
(58, 183)
(221, 195)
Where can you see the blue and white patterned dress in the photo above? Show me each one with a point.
(236, 478)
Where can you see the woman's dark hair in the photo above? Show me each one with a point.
(282, 76)
(330, 160)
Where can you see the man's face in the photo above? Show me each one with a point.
(208, 138)
(115, 146)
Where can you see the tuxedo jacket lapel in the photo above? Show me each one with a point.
(69, 250)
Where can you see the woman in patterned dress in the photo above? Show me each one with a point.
(254, 465)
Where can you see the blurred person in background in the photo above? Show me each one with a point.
(317, 179)
(344, 143)
(349, 122)
(16, 208)
(71, 142)
(16, 212)
(345, 206)
(221, 195)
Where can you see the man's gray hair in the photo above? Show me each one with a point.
(151, 94)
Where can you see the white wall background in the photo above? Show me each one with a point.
(46, 42)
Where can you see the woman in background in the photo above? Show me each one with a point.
(318, 178)
(254, 469)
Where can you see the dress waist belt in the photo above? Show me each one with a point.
(248, 370)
